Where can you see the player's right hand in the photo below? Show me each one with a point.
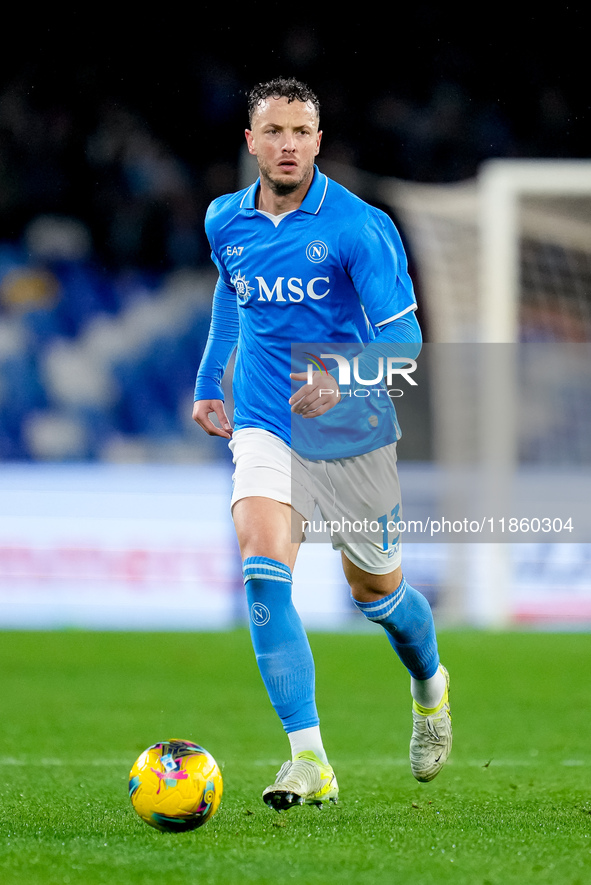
(316, 398)
(203, 408)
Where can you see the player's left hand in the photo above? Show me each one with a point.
(316, 398)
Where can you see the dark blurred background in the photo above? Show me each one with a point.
(116, 132)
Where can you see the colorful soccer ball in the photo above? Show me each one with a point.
(175, 786)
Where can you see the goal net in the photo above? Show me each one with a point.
(505, 257)
(503, 271)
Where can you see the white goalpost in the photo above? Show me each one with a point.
(501, 259)
(472, 241)
(546, 201)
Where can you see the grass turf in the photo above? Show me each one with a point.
(512, 805)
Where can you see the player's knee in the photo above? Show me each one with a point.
(366, 587)
(361, 592)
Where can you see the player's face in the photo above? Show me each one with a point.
(285, 140)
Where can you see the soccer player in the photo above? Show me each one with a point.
(297, 252)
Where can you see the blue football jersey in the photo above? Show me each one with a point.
(332, 271)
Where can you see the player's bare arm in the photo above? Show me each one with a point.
(203, 408)
(316, 398)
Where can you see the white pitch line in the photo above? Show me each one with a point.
(54, 762)
(469, 763)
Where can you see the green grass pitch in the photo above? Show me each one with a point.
(512, 805)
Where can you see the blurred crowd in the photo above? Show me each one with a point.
(139, 175)
(140, 203)
(106, 174)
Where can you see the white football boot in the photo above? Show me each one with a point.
(431, 739)
(305, 781)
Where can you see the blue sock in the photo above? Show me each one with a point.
(280, 643)
(407, 619)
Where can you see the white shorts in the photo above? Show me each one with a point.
(358, 499)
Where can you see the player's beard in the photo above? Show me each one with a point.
(284, 187)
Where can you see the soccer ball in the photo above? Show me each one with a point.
(175, 786)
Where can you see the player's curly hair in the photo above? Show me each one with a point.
(281, 87)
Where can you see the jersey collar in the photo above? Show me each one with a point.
(312, 202)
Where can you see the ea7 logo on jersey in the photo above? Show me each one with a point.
(234, 250)
(293, 289)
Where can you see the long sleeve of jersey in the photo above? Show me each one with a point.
(221, 341)
(398, 338)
